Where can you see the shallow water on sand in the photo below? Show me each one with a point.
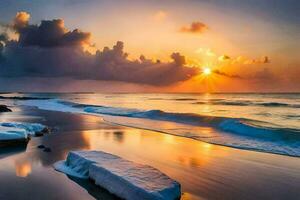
(205, 171)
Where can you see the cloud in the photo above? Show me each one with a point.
(1, 49)
(50, 50)
(263, 74)
(224, 58)
(219, 72)
(195, 27)
(112, 64)
(265, 59)
(50, 33)
(3, 37)
(3, 40)
(179, 60)
(246, 61)
(21, 21)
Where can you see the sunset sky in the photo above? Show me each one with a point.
(186, 46)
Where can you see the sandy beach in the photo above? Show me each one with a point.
(205, 171)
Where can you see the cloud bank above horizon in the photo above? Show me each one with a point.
(50, 50)
(246, 46)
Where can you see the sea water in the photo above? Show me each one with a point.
(260, 122)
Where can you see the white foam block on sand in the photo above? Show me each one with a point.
(10, 131)
(121, 177)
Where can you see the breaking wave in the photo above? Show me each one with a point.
(234, 132)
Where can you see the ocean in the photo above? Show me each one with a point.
(258, 122)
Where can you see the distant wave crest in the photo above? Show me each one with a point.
(248, 103)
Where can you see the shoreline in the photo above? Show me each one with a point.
(204, 170)
(225, 131)
(222, 145)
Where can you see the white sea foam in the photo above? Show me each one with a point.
(121, 177)
(52, 105)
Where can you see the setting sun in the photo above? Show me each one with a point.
(206, 71)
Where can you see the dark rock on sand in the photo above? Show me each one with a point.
(42, 132)
(38, 134)
(41, 146)
(4, 108)
(47, 149)
(45, 130)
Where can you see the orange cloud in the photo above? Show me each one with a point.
(21, 20)
(219, 72)
(195, 27)
(246, 61)
(224, 58)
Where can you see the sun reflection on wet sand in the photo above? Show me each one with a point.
(179, 157)
(188, 196)
(23, 168)
(144, 144)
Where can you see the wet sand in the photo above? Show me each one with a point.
(205, 171)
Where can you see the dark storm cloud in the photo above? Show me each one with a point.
(112, 64)
(1, 56)
(50, 50)
(50, 33)
(195, 27)
(3, 40)
(3, 37)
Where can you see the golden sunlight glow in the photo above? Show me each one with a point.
(23, 169)
(206, 71)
